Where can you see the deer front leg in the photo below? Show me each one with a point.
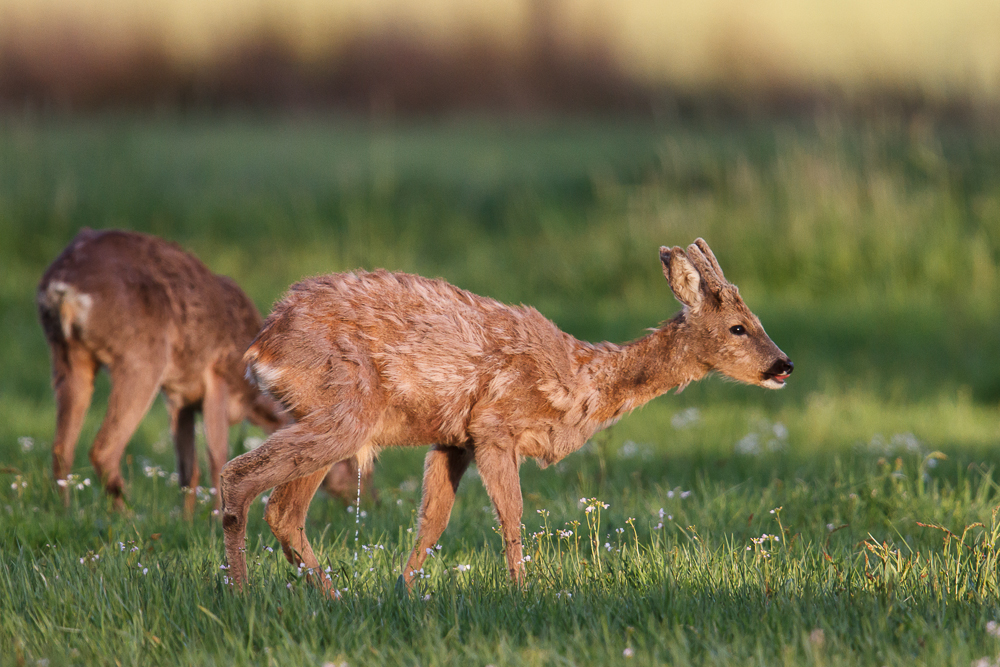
(443, 469)
(215, 412)
(182, 426)
(498, 470)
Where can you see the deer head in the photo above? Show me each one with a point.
(722, 332)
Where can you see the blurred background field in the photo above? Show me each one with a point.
(843, 162)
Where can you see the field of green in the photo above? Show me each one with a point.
(847, 519)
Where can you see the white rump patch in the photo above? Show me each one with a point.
(73, 306)
(263, 375)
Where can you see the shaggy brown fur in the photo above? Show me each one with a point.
(159, 320)
(371, 360)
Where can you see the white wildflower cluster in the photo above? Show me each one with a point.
(131, 546)
(670, 517)
(27, 444)
(73, 481)
(463, 568)
(763, 438)
(760, 541)
(685, 418)
(591, 504)
(564, 594)
(91, 557)
(19, 484)
(564, 534)
(153, 471)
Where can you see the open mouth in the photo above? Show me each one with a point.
(775, 380)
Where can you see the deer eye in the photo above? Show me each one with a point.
(738, 330)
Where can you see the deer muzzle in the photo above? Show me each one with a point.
(775, 376)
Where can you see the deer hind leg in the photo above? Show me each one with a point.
(182, 427)
(443, 470)
(215, 412)
(286, 515)
(134, 385)
(296, 451)
(498, 470)
(73, 371)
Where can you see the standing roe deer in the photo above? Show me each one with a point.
(158, 319)
(370, 360)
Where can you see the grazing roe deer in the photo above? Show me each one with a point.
(370, 360)
(158, 319)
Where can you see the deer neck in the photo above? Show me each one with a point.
(627, 377)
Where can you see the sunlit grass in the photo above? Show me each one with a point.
(870, 253)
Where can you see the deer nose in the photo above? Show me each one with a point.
(782, 367)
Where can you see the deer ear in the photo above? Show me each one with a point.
(684, 279)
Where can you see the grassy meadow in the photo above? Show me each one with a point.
(847, 519)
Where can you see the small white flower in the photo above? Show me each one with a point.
(86, 482)
(145, 570)
(427, 597)
(223, 567)
(685, 494)
(628, 652)
(670, 494)
(61, 482)
(462, 568)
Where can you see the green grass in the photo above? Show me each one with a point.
(870, 253)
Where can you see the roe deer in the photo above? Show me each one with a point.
(370, 360)
(158, 319)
